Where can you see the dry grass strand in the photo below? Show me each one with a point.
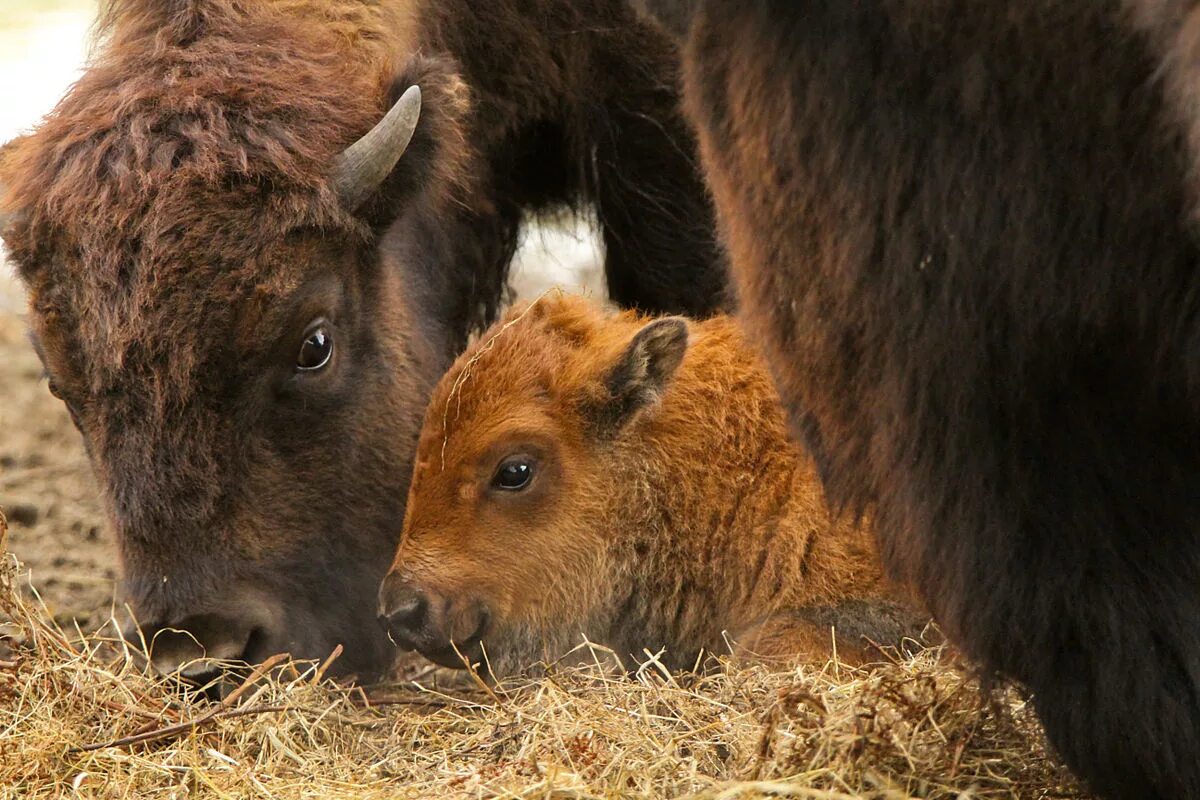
(917, 727)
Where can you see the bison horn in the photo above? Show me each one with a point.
(362, 166)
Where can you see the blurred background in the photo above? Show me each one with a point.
(57, 527)
(43, 44)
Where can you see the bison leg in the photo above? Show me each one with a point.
(657, 224)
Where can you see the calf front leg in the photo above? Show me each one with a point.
(854, 630)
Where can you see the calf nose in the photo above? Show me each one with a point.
(404, 612)
(444, 629)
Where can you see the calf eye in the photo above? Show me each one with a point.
(514, 474)
(316, 350)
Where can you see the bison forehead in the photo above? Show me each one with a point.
(163, 180)
(483, 388)
(549, 351)
(154, 320)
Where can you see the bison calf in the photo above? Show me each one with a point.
(631, 480)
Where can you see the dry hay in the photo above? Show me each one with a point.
(78, 717)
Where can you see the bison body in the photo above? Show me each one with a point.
(963, 233)
(244, 297)
(582, 473)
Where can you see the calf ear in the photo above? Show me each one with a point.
(641, 373)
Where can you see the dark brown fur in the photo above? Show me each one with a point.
(668, 509)
(174, 222)
(962, 231)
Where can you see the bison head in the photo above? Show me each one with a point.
(243, 287)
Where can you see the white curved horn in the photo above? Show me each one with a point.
(362, 166)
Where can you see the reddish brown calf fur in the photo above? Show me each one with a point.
(667, 507)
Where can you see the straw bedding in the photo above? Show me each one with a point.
(80, 717)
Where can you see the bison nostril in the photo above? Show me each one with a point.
(410, 613)
(485, 618)
(196, 649)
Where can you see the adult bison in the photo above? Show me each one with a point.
(244, 294)
(964, 233)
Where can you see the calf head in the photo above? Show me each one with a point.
(234, 276)
(508, 533)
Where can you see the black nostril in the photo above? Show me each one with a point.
(404, 612)
(485, 619)
(410, 613)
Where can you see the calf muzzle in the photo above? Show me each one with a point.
(448, 631)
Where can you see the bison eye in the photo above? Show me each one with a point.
(316, 350)
(514, 474)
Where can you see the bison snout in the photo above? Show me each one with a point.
(196, 649)
(443, 629)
